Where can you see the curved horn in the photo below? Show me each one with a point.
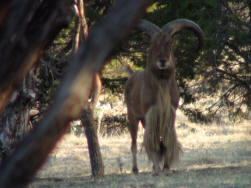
(177, 25)
(149, 27)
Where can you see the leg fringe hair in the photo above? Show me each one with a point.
(160, 136)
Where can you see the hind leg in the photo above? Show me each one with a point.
(133, 129)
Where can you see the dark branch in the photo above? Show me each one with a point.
(73, 94)
(37, 25)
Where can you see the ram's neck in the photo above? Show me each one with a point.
(162, 75)
(156, 80)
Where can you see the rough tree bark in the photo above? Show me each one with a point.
(87, 114)
(14, 121)
(35, 147)
(93, 143)
(37, 23)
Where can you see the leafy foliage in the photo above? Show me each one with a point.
(221, 70)
(226, 75)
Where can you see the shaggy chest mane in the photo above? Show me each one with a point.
(163, 74)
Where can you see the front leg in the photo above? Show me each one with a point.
(152, 138)
(173, 146)
(156, 166)
(133, 129)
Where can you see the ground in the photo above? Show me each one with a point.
(213, 156)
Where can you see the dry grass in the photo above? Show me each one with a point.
(214, 156)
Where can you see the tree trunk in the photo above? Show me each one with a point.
(87, 115)
(93, 143)
(14, 121)
(19, 52)
(37, 23)
(80, 23)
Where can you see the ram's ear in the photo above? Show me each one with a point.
(173, 27)
(150, 28)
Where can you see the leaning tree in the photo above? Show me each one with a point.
(74, 91)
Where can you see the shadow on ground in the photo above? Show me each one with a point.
(237, 175)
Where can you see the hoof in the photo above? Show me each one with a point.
(135, 170)
(168, 172)
(166, 167)
(156, 171)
